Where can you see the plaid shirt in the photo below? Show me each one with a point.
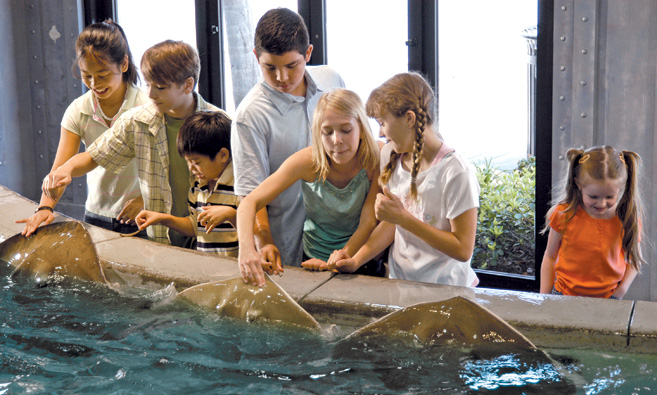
(141, 133)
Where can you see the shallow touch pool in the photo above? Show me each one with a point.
(85, 338)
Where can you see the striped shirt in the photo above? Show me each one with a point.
(223, 238)
(141, 133)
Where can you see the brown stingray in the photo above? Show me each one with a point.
(234, 298)
(457, 321)
(62, 249)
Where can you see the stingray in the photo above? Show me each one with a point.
(57, 250)
(429, 329)
(234, 298)
(457, 321)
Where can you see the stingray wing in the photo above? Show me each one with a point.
(58, 249)
(458, 321)
(234, 298)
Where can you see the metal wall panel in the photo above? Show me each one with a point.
(39, 37)
(605, 72)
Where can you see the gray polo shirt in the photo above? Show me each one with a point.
(268, 127)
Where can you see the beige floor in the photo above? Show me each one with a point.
(352, 301)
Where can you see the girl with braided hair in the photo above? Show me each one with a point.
(594, 227)
(428, 207)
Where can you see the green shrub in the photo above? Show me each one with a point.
(505, 230)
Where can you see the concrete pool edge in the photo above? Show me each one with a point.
(352, 301)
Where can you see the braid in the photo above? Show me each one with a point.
(387, 171)
(418, 147)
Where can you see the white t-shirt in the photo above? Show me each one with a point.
(445, 190)
(107, 192)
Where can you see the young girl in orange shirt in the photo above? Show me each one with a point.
(594, 228)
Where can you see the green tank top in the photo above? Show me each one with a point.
(332, 214)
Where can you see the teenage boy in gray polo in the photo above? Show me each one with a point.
(273, 122)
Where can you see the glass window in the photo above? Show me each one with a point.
(243, 54)
(485, 76)
(367, 51)
(148, 22)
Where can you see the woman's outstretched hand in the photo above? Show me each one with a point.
(32, 223)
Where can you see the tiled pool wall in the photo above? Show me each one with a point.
(351, 301)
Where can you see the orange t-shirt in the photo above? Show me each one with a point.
(591, 259)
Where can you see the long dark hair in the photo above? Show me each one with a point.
(107, 41)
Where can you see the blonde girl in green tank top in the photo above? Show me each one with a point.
(342, 147)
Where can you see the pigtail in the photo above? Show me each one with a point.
(418, 147)
(570, 194)
(629, 211)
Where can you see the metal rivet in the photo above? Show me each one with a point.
(585, 19)
(79, 185)
(560, 157)
(562, 38)
(75, 85)
(41, 156)
(36, 81)
(39, 132)
(38, 107)
(562, 128)
(564, 8)
(33, 31)
(584, 51)
(562, 68)
(562, 98)
(583, 115)
(583, 83)
(34, 57)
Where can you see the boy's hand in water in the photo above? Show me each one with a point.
(36, 219)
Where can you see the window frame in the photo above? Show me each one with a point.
(423, 55)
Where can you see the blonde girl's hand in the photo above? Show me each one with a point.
(250, 264)
(32, 223)
(213, 216)
(130, 210)
(315, 264)
(388, 207)
(55, 183)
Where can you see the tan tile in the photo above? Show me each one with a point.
(568, 321)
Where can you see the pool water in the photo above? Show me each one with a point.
(86, 338)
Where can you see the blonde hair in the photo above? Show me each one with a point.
(347, 103)
(600, 164)
(402, 93)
